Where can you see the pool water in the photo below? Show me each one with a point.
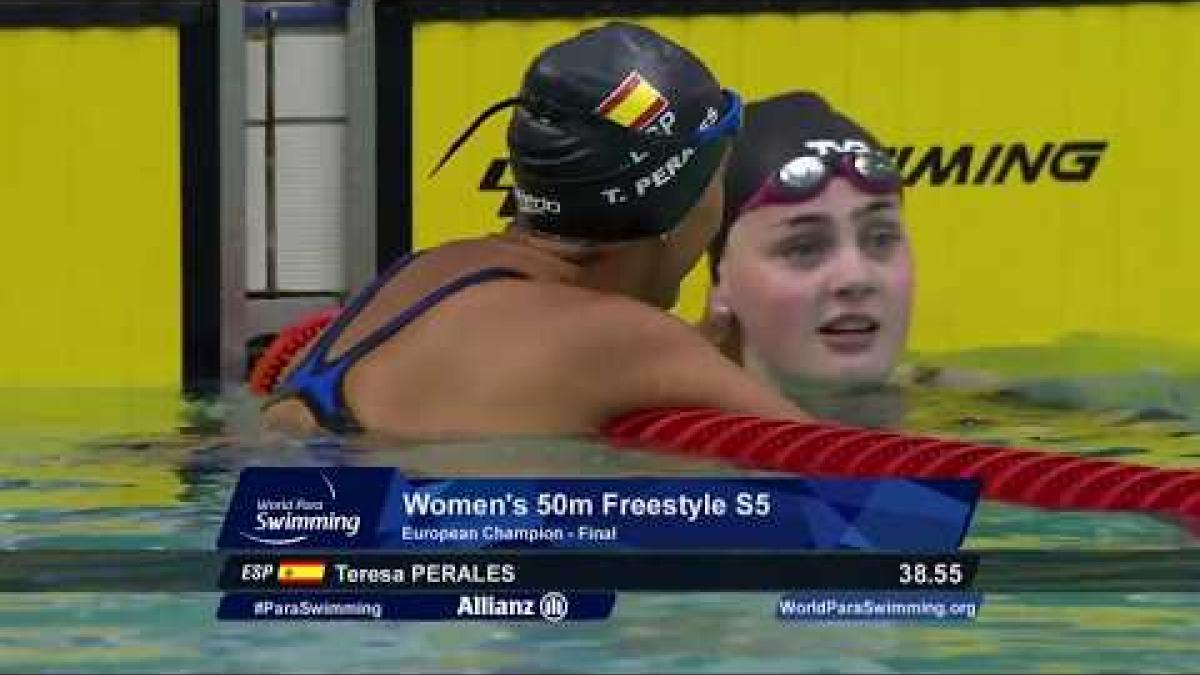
(138, 470)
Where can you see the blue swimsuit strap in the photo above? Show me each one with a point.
(319, 381)
(356, 305)
(412, 313)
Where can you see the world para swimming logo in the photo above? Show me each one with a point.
(298, 517)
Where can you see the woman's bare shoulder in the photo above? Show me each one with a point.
(565, 307)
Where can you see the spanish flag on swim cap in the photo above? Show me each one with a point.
(615, 135)
(635, 103)
(605, 148)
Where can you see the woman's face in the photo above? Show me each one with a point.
(822, 289)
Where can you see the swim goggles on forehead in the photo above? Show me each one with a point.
(805, 177)
(729, 123)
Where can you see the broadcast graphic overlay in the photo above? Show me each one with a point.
(373, 544)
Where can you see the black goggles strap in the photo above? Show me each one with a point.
(470, 130)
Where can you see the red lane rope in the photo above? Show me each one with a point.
(283, 349)
(1030, 477)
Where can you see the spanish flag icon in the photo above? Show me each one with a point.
(634, 104)
(301, 572)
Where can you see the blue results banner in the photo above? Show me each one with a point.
(369, 508)
(372, 544)
(551, 607)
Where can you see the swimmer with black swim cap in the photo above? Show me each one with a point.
(555, 326)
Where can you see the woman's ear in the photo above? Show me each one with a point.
(718, 295)
(718, 318)
(718, 307)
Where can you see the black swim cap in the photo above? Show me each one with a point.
(780, 128)
(776, 130)
(616, 134)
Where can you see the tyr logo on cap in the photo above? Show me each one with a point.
(829, 146)
(634, 104)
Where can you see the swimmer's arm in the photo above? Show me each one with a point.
(655, 360)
